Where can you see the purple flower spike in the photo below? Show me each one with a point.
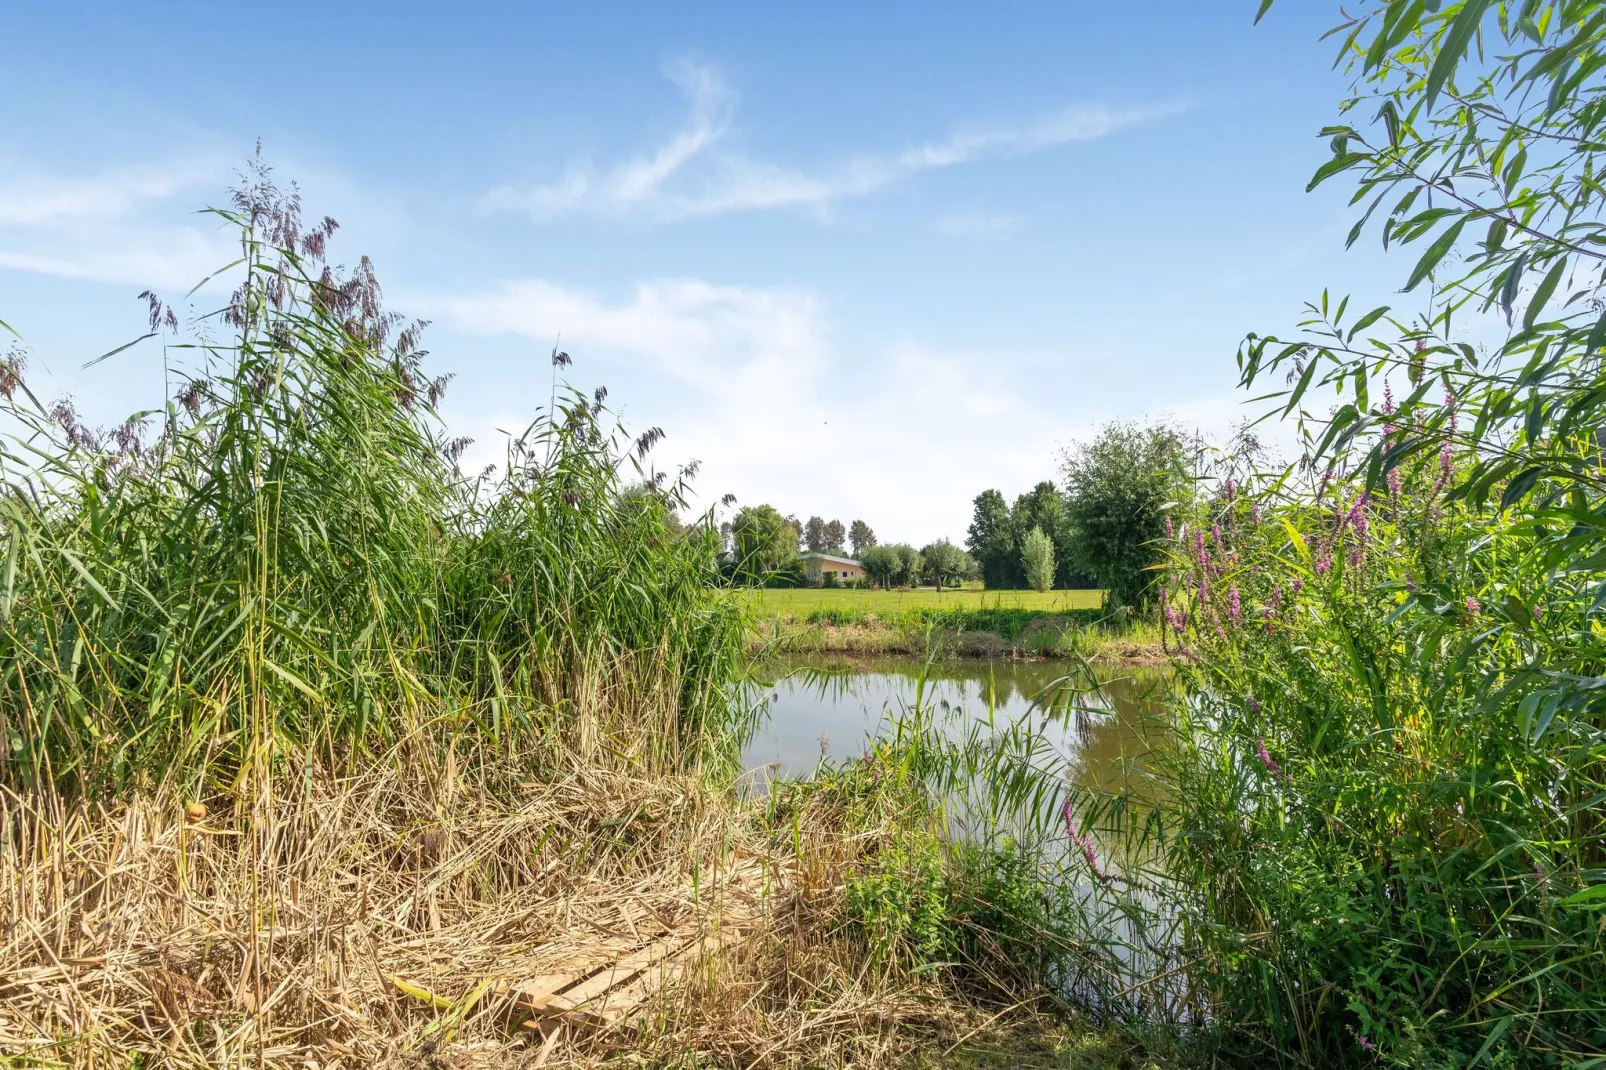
(1235, 609)
(1474, 606)
(1366, 1045)
(1357, 515)
(1266, 759)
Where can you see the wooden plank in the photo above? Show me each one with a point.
(625, 1001)
(622, 971)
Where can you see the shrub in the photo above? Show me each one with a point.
(898, 903)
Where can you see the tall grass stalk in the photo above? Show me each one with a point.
(284, 559)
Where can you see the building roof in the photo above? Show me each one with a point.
(829, 557)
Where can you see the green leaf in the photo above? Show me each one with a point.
(1265, 6)
(295, 681)
(1367, 320)
(1513, 169)
(119, 349)
(1495, 1034)
(1454, 46)
(1508, 289)
(1597, 335)
(1519, 487)
(1334, 166)
(78, 567)
(1497, 235)
(10, 330)
(1430, 259)
(1588, 895)
(1541, 295)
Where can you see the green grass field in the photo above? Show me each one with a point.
(801, 601)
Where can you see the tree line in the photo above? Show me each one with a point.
(762, 547)
(1100, 527)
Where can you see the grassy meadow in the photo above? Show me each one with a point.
(970, 622)
(803, 601)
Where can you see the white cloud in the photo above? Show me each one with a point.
(729, 340)
(42, 200)
(777, 409)
(717, 179)
(978, 225)
(103, 228)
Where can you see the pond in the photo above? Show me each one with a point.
(829, 707)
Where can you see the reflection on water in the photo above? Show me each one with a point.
(820, 706)
(1099, 743)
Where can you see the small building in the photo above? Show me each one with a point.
(818, 566)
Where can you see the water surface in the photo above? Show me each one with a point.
(829, 707)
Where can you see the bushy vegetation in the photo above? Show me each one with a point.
(1382, 840)
(283, 559)
(1103, 529)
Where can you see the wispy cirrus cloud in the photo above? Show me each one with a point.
(115, 226)
(696, 173)
(31, 198)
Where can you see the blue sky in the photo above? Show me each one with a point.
(859, 262)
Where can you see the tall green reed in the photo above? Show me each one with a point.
(284, 561)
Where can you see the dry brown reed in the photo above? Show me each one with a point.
(369, 920)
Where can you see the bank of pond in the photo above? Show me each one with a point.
(988, 625)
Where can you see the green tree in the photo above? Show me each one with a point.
(1037, 560)
(991, 540)
(1044, 507)
(836, 537)
(814, 535)
(762, 543)
(861, 537)
(944, 561)
(910, 564)
(882, 564)
(1119, 488)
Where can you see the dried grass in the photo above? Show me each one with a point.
(274, 934)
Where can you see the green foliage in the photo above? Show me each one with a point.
(763, 544)
(898, 903)
(991, 540)
(911, 564)
(1006, 933)
(1359, 839)
(1388, 828)
(814, 534)
(1037, 560)
(944, 562)
(882, 564)
(860, 537)
(835, 537)
(1118, 491)
(289, 562)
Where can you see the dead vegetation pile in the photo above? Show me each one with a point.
(410, 917)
